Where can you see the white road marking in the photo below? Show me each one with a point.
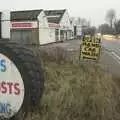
(118, 49)
(116, 57)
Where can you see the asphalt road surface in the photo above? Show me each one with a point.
(112, 55)
(113, 48)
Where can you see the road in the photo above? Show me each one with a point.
(113, 48)
(112, 51)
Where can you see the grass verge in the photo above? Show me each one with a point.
(77, 91)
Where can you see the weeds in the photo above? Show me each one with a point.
(77, 91)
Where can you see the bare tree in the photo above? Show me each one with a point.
(84, 22)
(105, 29)
(110, 17)
(117, 27)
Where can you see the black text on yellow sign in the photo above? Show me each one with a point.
(92, 39)
(90, 50)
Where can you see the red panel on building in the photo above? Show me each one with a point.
(53, 25)
(23, 25)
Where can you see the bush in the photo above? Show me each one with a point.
(56, 54)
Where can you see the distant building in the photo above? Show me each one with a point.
(36, 26)
(30, 27)
(76, 27)
(59, 23)
(80, 25)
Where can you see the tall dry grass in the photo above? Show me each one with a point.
(82, 91)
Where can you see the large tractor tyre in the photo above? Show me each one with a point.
(29, 67)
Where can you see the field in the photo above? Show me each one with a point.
(77, 90)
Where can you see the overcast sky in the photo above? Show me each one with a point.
(93, 10)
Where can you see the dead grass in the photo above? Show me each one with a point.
(77, 91)
(56, 54)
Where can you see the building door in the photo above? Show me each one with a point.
(25, 36)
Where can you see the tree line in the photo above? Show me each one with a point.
(112, 25)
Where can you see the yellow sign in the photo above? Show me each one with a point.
(92, 39)
(90, 48)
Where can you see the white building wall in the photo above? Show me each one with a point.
(52, 35)
(65, 24)
(5, 24)
(65, 21)
(43, 20)
(46, 35)
(79, 30)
